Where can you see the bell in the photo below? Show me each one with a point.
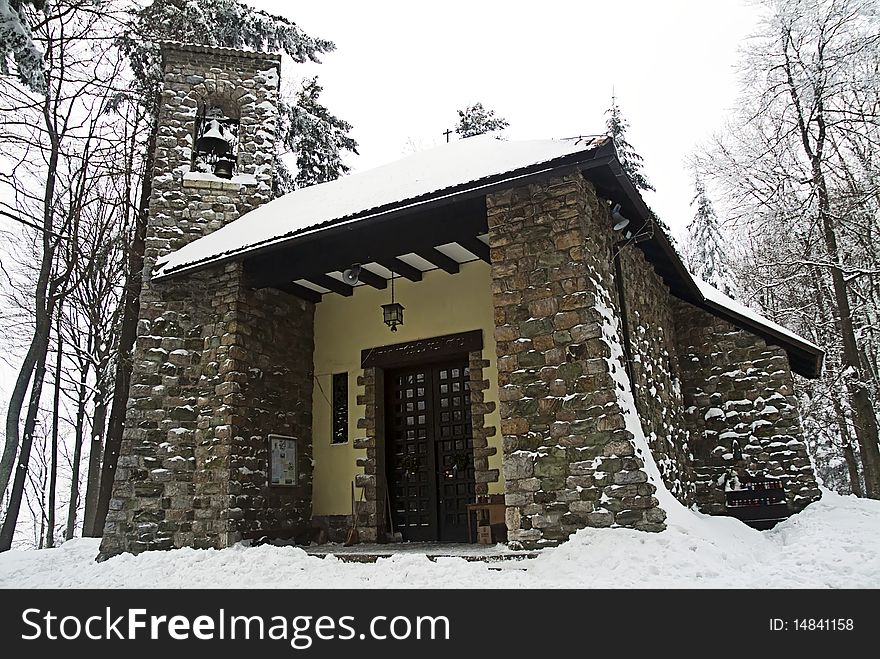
(213, 141)
(223, 167)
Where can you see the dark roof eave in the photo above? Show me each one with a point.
(689, 289)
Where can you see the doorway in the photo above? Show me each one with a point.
(429, 450)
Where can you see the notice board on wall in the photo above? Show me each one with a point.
(283, 460)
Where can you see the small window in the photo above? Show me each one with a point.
(340, 409)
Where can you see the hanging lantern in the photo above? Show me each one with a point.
(393, 312)
(214, 141)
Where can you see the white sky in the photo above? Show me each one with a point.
(402, 69)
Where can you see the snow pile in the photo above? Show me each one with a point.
(834, 543)
(611, 334)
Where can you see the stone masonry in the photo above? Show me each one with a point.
(739, 394)
(656, 372)
(212, 375)
(569, 461)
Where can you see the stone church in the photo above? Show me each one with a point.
(483, 321)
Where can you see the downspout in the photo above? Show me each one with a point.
(624, 318)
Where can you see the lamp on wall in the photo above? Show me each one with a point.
(620, 222)
(352, 275)
(392, 313)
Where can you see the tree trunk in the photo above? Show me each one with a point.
(73, 505)
(848, 454)
(864, 416)
(91, 529)
(35, 361)
(128, 334)
(53, 454)
(7, 532)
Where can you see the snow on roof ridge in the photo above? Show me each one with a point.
(405, 181)
(712, 294)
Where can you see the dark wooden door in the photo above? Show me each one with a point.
(429, 444)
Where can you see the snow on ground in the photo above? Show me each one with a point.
(834, 543)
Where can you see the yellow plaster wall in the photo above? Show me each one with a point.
(439, 304)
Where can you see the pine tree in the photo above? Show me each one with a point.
(318, 138)
(705, 252)
(616, 126)
(17, 41)
(477, 120)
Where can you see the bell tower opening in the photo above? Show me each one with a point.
(216, 141)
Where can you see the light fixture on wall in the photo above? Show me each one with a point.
(352, 275)
(392, 313)
(620, 222)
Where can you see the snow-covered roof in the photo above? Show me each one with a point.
(712, 294)
(797, 346)
(426, 175)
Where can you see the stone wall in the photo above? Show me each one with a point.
(569, 460)
(152, 505)
(198, 387)
(245, 85)
(739, 394)
(656, 371)
(480, 407)
(264, 363)
(370, 509)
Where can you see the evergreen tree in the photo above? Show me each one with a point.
(307, 129)
(17, 41)
(477, 120)
(616, 126)
(705, 252)
(318, 137)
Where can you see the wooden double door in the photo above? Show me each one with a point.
(430, 450)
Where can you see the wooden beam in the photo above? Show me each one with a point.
(476, 247)
(301, 292)
(331, 283)
(439, 259)
(372, 279)
(368, 242)
(401, 268)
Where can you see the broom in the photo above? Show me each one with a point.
(352, 537)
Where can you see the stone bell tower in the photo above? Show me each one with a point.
(192, 466)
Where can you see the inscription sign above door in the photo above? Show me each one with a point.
(423, 351)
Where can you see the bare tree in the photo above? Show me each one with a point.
(797, 168)
(54, 138)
